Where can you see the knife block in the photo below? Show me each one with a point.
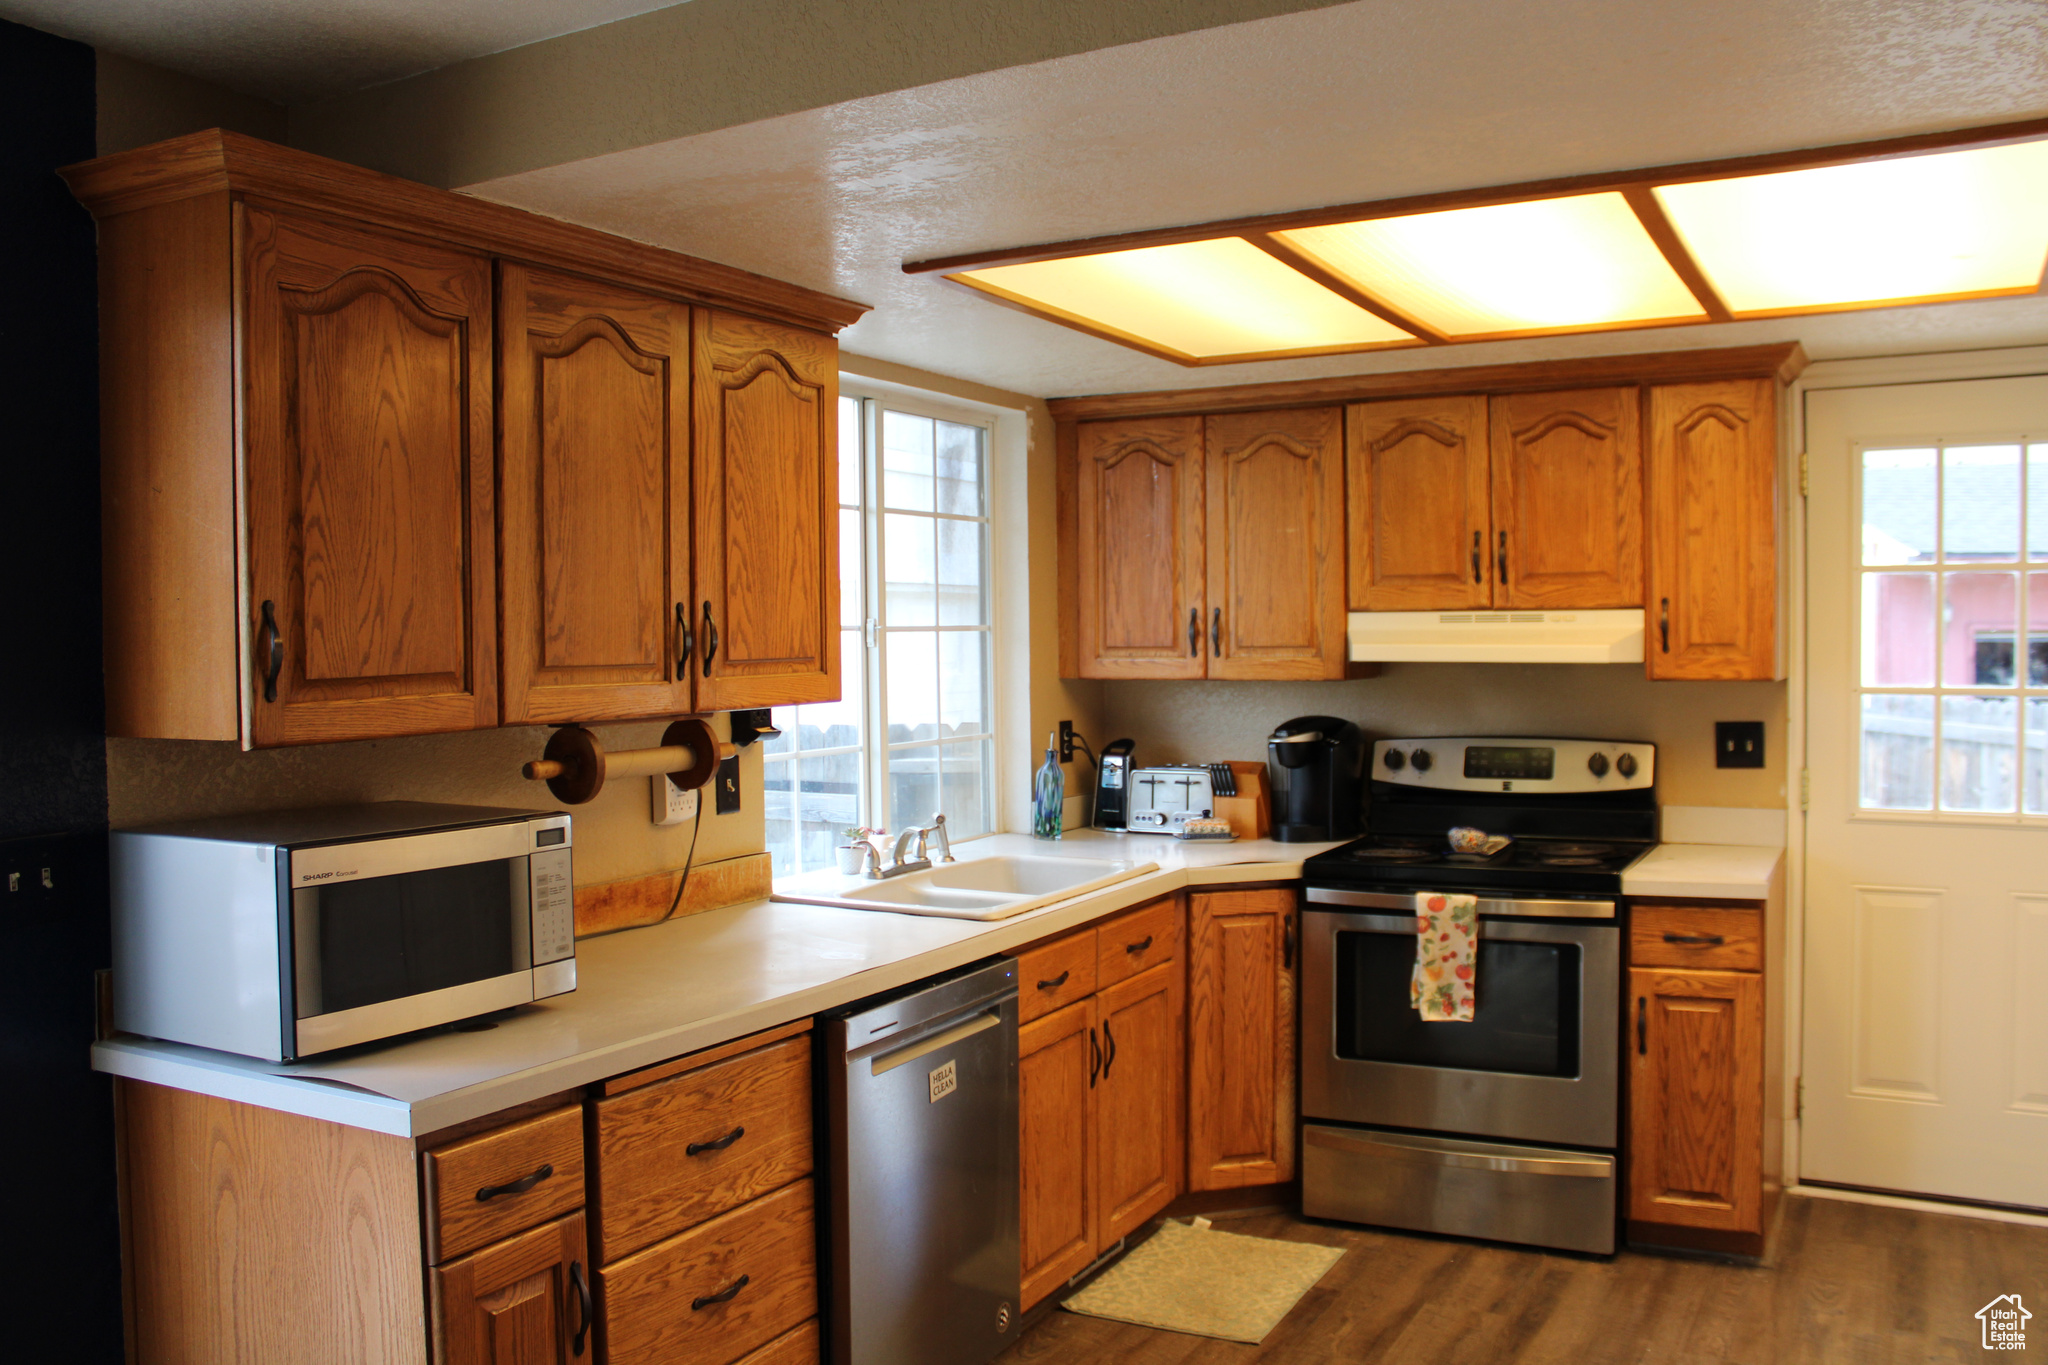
(1249, 812)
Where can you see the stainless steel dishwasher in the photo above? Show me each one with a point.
(921, 1089)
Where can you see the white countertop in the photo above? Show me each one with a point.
(1710, 871)
(645, 995)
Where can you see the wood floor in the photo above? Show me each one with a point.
(1845, 1282)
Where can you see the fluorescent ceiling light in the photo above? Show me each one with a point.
(1201, 300)
(1953, 223)
(1544, 265)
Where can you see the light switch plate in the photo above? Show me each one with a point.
(726, 786)
(671, 804)
(1738, 744)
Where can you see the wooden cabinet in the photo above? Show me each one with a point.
(312, 405)
(524, 1301)
(1419, 504)
(767, 399)
(1712, 504)
(594, 455)
(1205, 547)
(1100, 1091)
(1241, 1037)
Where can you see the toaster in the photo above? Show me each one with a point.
(1160, 800)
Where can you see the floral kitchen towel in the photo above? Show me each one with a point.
(1446, 947)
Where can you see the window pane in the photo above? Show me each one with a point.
(906, 461)
(1898, 506)
(1898, 753)
(962, 685)
(965, 788)
(849, 452)
(910, 570)
(1981, 615)
(1898, 630)
(2037, 757)
(2037, 502)
(778, 809)
(828, 804)
(850, 561)
(913, 667)
(914, 793)
(1977, 753)
(960, 588)
(959, 468)
(1980, 502)
(2037, 630)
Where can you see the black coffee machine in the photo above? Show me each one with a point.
(1317, 771)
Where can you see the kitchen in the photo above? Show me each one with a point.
(151, 780)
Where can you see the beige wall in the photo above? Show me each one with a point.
(139, 104)
(1193, 722)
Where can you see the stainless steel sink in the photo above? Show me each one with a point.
(979, 888)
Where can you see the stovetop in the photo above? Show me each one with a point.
(1405, 862)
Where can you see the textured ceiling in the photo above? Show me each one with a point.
(290, 51)
(1362, 101)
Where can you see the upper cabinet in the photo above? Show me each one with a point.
(381, 460)
(1419, 505)
(1276, 544)
(1713, 514)
(1137, 550)
(1567, 500)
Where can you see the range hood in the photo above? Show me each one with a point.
(1499, 637)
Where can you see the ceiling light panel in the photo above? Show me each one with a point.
(1546, 265)
(1203, 301)
(1953, 223)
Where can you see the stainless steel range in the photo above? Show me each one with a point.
(1505, 1126)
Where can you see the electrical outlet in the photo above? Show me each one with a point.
(1738, 744)
(726, 786)
(1066, 741)
(672, 805)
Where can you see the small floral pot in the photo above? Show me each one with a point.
(850, 856)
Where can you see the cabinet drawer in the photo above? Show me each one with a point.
(798, 1346)
(1136, 940)
(477, 1188)
(710, 1295)
(672, 1154)
(1056, 974)
(1728, 940)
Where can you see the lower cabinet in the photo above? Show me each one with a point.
(523, 1301)
(1100, 1071)
(1241, 1031)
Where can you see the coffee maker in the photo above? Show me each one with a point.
(1316, 764)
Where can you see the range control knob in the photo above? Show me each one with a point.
(1626, 765)
(1394, 760)
(1421, 759)
(1597, 765)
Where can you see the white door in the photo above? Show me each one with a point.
(1926, 1008)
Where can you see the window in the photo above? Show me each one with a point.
(914, 730)
(1954, 628)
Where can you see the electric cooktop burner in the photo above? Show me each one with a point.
(1527, 865)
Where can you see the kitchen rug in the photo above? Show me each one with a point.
(1206, 1283)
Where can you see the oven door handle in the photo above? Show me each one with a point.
(1442, 1152)
(1518, 908)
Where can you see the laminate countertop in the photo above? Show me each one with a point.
(1736, 872)
(646, 995)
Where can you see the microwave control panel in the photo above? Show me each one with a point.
(554, 905)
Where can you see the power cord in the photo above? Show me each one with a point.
(689, 860)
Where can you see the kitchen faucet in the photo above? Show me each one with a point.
(871, 862)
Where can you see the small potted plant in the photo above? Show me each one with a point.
(850, 853)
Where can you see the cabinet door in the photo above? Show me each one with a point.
(1241, 1038)
(1059, 1060)
(522, 1301)
(1139, 593)
(1417, 499)
(372, 575)
(766, 472)
(1567, 499)
(1275, 545)
(1696, 1099)
(594, 449)
(1713, 530)
(1138, 1103)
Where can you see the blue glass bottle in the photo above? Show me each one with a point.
(1048, 795)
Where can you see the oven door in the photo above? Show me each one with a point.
(1538, 1062)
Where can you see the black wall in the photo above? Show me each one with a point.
(58, 1144)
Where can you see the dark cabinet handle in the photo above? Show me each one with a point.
(725, 1295)
(270, 651)
(1287, 945)
(519, 1186)
(718, 1145)
(1501, 560)
(1108, 1049)
(1642, 1026)
(1140, 946)
(1715, 939)
(1194, 632)
(1094, 1059)
(585, 1313)
(1477, 575)
(1055, 983)
(1216, 633)
(686, 642)
(710, 639)
(1664, 623)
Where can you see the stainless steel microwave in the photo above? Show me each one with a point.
(285, 934)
